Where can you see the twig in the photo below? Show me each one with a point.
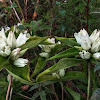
(8, 87)
(15, 12)
(62, 90)
(11, 93)
(35, 14)
(24, 96)
(20, 9)
(53, 89)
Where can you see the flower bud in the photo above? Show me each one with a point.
(11, 40)
(85, 54)
(96, 55)
(20, 62)
(22, 38)
(95, 35)
(96, 46)
(15, 53)
(62, 73)
(44, 54)
(2, 34)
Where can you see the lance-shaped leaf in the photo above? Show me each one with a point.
(75, 95)
(68, 41)
(72, 75)
(21, 73)
(33, 42)
(62, 64)
(39, 66)
(67, 53)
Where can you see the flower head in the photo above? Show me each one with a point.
(83, 39)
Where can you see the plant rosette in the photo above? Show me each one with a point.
(90, 44)
(10, 47)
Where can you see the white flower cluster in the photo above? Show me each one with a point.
(47, 48)
(90, 44)
(9, 46)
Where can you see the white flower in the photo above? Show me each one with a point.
(2, 34)
(97, 55)
(52, 40)
(2, 43)
(62, 73)
(5, 51)
(15, 53)
(95, 35)
(11, 40)
(96, 46)
(44, 54)
(83, 39)
(20, 62)
(85, 54)
(22, 38)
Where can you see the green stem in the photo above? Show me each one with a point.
(89, 76)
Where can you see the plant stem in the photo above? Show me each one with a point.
(62, 87)
(89, 77)
(20, 9)
(8, 87)
(15, 12)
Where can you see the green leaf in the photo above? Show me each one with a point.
(33, 42)
(39, 66)
(44, 78)
(75, 95)
(67, 53)
(3, 61)
(73, 75)
(13, 5)
(36, 95)
(42, 95)
(22, 74)
(62, 64)
(97, 67)
(68, 41)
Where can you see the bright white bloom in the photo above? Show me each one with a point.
(11, 40)
(22, 38)
(83, 39)
(85, 54)
(97, 55)
(20, 62)
(95, 35)
(62, 73)
(96, 46)
(2, 34)
(44, 54)
(47, 48)
(15, 53)
(5, 51)
(2, 43)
